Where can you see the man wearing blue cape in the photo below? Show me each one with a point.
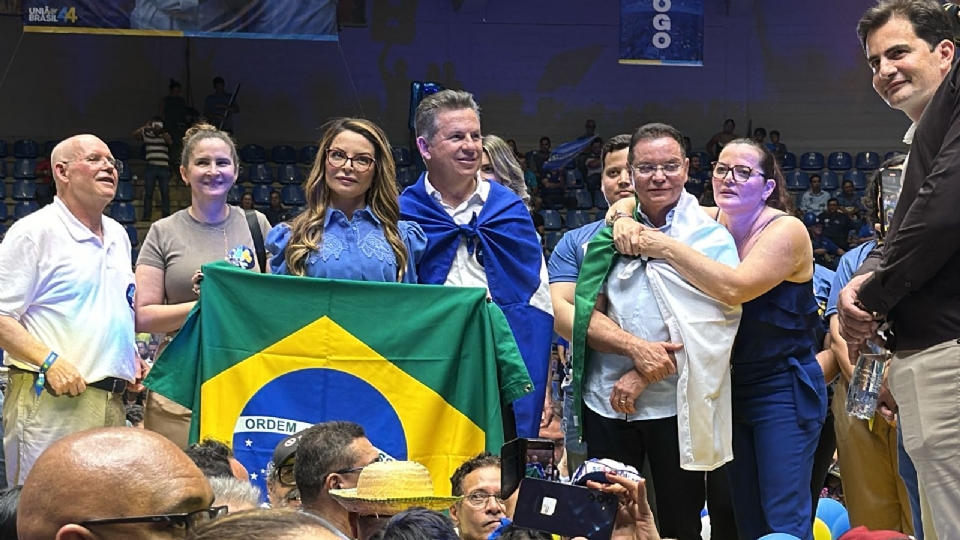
(480, 234)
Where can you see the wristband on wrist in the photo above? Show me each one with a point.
(617, 215)
(42, 376)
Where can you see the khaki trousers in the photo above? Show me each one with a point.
(167, 418)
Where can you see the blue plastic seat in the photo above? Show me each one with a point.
(25, 149)
(295, 211)
(858, 178)
(132, 233)
(260, 173)
(235, 194)
(289, 174)
(3, 191)
(124, 213)
(124, 192)
(798, 180)
(3, 149)
(552, 239)
(892, 154)
(25, 168)
(789, 162)
(261, 194)
(573, 178)
(308, 154)
(49, 146)
(811, 161)
(3, 169)
(23, 209)
(551, 220)
(584, 200)
(406, 177)
(283, 154)
(3, 211)
(24, 190)
(578, 218)
(829, 181)
(253, 153)
(126, 175)
(840, 161)
(599, 201)
(119, 149)
(868, 161)
(293, 196)
(401, 156)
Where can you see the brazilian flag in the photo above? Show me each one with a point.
(424, 369)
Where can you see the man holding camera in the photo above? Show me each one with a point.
(157, 146)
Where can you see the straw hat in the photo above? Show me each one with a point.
(390, 487)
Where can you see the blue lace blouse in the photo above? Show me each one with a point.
(352, 249)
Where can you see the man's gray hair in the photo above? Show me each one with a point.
(425, 120)
(228, 490)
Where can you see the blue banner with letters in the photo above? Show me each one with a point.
(661, 32)
(314, 20)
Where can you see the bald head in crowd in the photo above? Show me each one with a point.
(104, 474)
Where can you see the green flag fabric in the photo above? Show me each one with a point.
(424, 369)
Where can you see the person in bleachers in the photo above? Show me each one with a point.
(563, 269)
(695, 166)
(760, 135)
(825, 252)
(276, 213)
(46, 187)
(591, 166)
(157, 142)
(513, 148)
(246, 201)
(351, 227)
(218, 109)
(720, 139)
(814, 199)
(499, 165)
(173, 112)
(836, 224)
(542, 155)
(66, 310)
(480, 234)
(629, 383)
(168, 268)
(539, 223)
(777, 148)
(112, 484)
(552, 189)
(851, 203)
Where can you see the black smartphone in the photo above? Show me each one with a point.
(526, 458)
(566, 510)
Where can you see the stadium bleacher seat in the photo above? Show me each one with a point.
(283, 154)
(289, 174)
(840, 161)
(599, 201)
(892, 154)
(24, 190)
(25, 168)
(798, 180)
(406, 177)
(3, 149)
(578, 218)
(49, 146)
(401, 156)
(552, 239)
(123, 212)
(235, 194)
(293, 196)
(261, 194)
(23, 209)
(294, 211)
(132, 233)
(119, 149)
(25, 149)
(868, 161)
(308, 154)
(584, 200)
(260, 173)
(551, 220)
(789, 162)
(3, 232)
(858, 178)
(253, 153)
(811, 161)
(573, 178)
(3, 212)
(829, 181)
(126, 175)
(124, 192)
(3, 169)
(3, 191)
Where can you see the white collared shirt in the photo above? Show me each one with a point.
(72, 291)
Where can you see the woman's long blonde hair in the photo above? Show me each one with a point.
(505, 166)
(306, 232)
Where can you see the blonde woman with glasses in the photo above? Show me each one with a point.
(351, 228)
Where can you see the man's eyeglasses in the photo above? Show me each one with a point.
(339, 158)
(478, 499)
(741, 173)
(186, 521)
(96, 160)
(646, 170)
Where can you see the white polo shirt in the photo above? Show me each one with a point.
(71, 291)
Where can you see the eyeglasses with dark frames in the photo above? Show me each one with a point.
(186, 521)
(339, 158)
(741, 173)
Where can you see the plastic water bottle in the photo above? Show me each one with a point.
(864, 391)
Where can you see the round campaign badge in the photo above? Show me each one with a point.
(241, 256)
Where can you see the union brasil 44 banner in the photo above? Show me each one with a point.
(661, 32)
